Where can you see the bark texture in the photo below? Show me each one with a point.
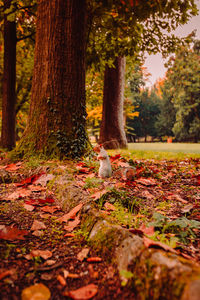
(112, 134)
(57, 112)
(9, 83)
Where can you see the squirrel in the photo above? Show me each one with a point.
(105, 169)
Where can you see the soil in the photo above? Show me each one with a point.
(171, 188)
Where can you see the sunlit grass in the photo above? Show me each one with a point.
(159, 151)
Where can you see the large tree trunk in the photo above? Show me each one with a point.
(112, 133)
(56, 124)
(9, 82)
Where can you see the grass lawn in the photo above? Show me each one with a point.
(162, 150)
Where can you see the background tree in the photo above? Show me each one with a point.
(56, 124)
(18, 25)
(183, 80)
(167, 116)
(144, 23)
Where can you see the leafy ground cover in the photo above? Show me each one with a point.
(43, 241)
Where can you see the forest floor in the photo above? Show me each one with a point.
(41, 237)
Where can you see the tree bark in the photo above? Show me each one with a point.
(9, 83)
(56, 123)
(112, 133)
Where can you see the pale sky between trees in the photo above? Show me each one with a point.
(155, 63)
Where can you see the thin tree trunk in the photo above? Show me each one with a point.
(56, 123)
(9, 83)
(112, 133)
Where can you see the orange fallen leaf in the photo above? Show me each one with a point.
(84, 293)
(83, 254)
(94, 259)
(50, 209)
(36, 291)
(71, 214)
(62, 280)
(98, 194)
(146, 182)
(45, 254)
(69, 235)
(28, 207)
(72, 224)
(13, 167)
(19, 193)
(70, 275)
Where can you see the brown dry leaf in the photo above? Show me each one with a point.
(83, 254)
(84, 293)
(98, 194)
(72, 224)
(28, 207)
(12, 233)
(109, 206)
(50, 209)
(71, 214)
(146, 182)
(19, 193)
(62, 280)
(177, 197)
(37, 291)
(147, 230)
(45, 254)
(37, 225)
(37, 233)
(148, 243)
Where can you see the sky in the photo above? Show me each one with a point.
(155, 63)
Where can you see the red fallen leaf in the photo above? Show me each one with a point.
(30, 180)
(84, 293)
(130, 183)
(69, 235)
(50, 209)
(148, 243)
(139, 171)
(145, 181)
(81, 164)
(83, 254)
(72, 224)
(6, 273)
(113, 158)
(71, 214)
(13, 167)
(94, 259)
(46, 200)
(12, 233)
(84, 170)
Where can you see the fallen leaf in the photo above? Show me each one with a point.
(37, 225)
(71, 214)
(62, 280)
(44, 179)
(98, 194)
(13, 167)
(50, 209)
(72, 224)
(94, 259)
(45, 254)
(29, 180)
(84, 293)
(146, 182)
(37, 233)
(20, 193)
(147, 230)
(69, 235)
(12, 233)
(93, 274)
(148, 243)
(70, 275)
(83, 254)
(6, 274)
(37, 291)
(176, 197)
(109, 206)
(28, 207)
